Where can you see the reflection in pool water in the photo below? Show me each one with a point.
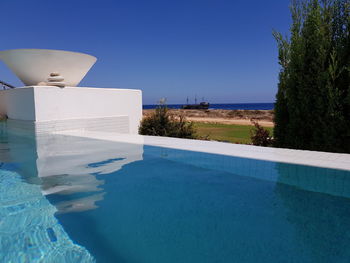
(118, 202)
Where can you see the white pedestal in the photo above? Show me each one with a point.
(54, 109)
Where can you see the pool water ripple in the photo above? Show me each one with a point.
(84, 200)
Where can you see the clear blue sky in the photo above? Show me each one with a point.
(222, 50)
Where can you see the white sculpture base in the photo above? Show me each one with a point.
(52, 108)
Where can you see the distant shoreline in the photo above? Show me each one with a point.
(238, 117)
(222, 106)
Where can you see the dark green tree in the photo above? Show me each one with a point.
(313, 103)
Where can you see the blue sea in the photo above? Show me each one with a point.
(225, 106)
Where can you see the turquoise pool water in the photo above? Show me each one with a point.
(71, 199)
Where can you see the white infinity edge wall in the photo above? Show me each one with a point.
(44, 104)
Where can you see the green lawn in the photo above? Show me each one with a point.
(225, 132)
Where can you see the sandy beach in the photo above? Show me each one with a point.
(240, 117)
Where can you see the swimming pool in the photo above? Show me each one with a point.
(74, 199)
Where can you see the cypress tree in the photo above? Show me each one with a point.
(312, 109)
(311, 100)
(281, 107)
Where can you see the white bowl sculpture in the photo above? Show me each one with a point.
(45, 67)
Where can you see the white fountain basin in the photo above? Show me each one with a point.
(34, 66)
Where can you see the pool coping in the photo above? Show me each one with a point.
(339, 161)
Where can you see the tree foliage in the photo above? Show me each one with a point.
(312, 109)
(260, 136)
(162, 123)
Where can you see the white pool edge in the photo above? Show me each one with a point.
(301, 157)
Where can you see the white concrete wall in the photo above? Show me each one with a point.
(2, 102)
(117, 124)
(43, 104)
(18, 104)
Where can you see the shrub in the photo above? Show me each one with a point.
(260, 136)
(3, 117)
(162, 123)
